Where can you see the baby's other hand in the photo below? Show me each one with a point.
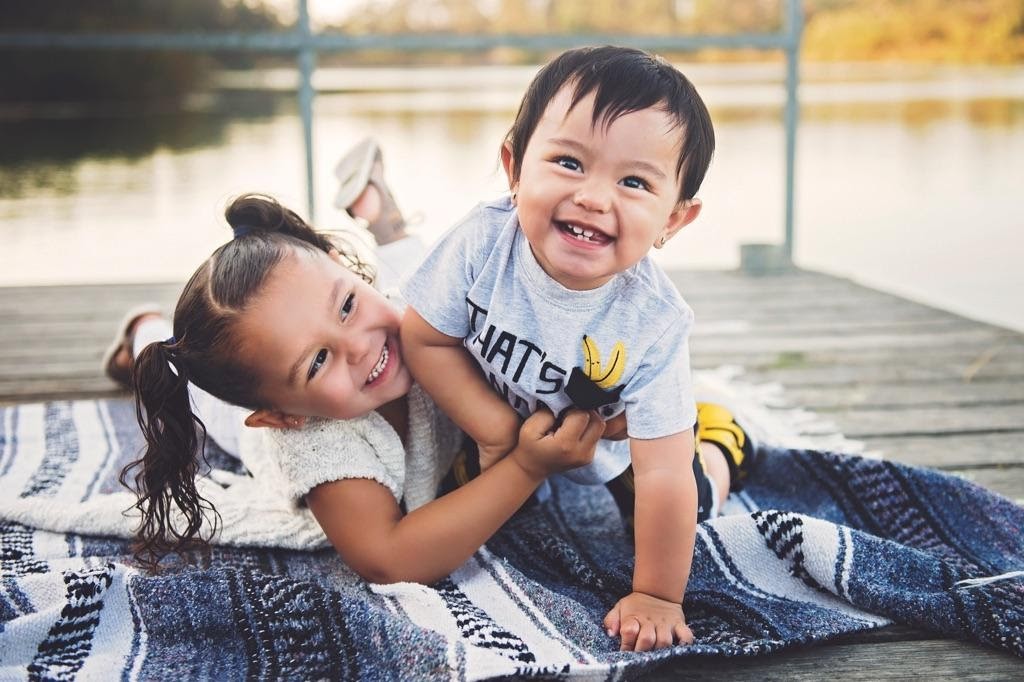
(644, 623)
(544, 450)
(615, 428)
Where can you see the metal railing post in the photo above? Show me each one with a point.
(794, 27)
(307, 64)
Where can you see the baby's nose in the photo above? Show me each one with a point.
(593, 197)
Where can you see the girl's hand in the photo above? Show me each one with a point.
(645, 623)
(542, 452)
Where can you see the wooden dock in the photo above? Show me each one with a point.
(923, 386)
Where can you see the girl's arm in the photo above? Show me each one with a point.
(364, 523)
(441, 365)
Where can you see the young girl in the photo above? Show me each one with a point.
(281, 322)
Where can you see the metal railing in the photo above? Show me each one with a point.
(306, 44)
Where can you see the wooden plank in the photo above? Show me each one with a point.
(857, 423)
(1006, 480)
(1008, 349)
(940, 393)
(15, 390)
(980, 337)
(843, 377)
(951, 451)
(926, 660)
(719, 327)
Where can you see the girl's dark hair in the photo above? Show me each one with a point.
(203, 352)
(624, 80)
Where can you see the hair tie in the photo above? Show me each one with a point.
(242, 230)
(170, 341)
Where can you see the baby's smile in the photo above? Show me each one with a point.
(584, 233)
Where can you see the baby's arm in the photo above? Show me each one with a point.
(364, 523)
(665, 526)
(452, 378)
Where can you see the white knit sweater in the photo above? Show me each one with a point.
(297, 460)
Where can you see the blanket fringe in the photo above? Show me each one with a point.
(971, 583)
(769, 416)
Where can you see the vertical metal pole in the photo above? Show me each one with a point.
(794, 27)
(307, 63)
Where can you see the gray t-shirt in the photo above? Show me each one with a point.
(481, 283)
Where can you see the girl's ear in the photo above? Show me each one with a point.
(335, 256)
(274, 419)
(508, 165)
(685, 213)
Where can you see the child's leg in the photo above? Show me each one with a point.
(465, 467)
(223, 421)
(717, 427)
(724, 455)
(708, 491)
(717, 468)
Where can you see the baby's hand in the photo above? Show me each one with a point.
(542, 452)
(645, 623)
(615, 428)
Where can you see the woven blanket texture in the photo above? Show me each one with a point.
(818, 544)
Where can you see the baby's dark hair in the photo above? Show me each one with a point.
(624, 80)
(203, 351)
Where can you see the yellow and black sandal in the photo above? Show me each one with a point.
(717, 425)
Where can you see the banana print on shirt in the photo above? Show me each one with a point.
(594, 384)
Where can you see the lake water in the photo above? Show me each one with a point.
(907, 180)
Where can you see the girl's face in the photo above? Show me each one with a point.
(325, 341)
(593, 199)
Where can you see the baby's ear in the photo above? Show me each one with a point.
(684, 213)
(274, 419)
(508, 164)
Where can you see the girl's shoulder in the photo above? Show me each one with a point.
(325, 450)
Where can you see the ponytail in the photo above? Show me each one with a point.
(165, 478)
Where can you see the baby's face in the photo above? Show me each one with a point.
(325, 342)
(593, 200)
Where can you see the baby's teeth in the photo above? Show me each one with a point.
(580, 232)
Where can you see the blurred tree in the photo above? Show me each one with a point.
(987, 31)
(930, 30)
(77, 75)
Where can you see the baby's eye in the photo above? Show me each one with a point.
(318, 362)
(569, 163)
(635, 183)
(347, 307)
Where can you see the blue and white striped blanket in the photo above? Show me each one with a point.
(858, 543)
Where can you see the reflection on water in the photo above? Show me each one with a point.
(900, 189)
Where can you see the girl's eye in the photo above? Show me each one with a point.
(635, 183)
(347, 307)
(318, 362)
(569, 163)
